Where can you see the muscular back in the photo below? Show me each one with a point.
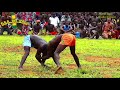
(55, 41)
(37, 42)
(52, 45)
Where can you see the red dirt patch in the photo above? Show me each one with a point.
(59, 71)
(13, 49)
(110, 61)
(17, 49)
(97, 59)
(68, 56)
(100, 67)
(71, 66)
(27, 68)
(27, 72)
(4, 67)
(114, 63)
(107, 76)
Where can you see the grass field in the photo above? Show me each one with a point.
(99, 59)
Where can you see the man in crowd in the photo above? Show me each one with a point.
(50, 29)
(37, 28)
(93, 31)
(3, 19)
(82, 31)
(108, 29)
(66, 28)
(54, 20)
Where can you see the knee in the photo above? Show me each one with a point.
(56, 53)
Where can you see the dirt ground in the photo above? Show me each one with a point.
(71, 66)
(18, 49)
(110, 61)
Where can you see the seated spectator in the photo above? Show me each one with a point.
(75, 24)
(19, 32)
(66, 28)
(5, 27)
(107, 29)
(37, 28)
(25, 29)
(50, 29)
(116, 33)
(82, 31)
(95, 31)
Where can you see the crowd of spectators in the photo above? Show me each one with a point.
(82, 24)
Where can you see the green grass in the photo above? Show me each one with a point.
(99, 59)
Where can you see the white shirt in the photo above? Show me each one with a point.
(54, 21)
(63, 18)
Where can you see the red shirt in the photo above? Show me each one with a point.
(108, 26)
(37, 13)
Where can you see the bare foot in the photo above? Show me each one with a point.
(20, 68)
(59, 70)
(80, 67)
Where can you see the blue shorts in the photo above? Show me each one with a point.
(27, 41)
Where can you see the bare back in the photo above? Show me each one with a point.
(37, 42)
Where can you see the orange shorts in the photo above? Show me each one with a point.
(68, 39)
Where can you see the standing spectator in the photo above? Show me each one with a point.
(54, 20)
(59, 15)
